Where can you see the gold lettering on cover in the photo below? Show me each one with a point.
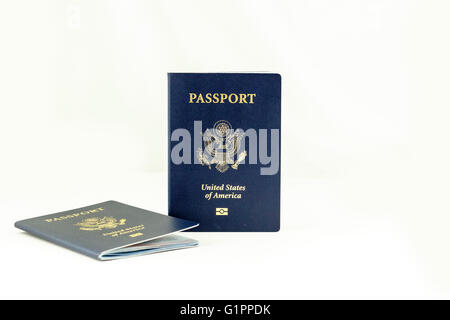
(200, 98)
(192, 96)
(75, 215)
(223, 191)
(125, 231)
(235, 96)
(222, 97)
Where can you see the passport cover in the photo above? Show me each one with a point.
(111, 230)
(218, 181)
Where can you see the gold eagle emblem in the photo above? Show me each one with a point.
(95, 223)
(221, 146)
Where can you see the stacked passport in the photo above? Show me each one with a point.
(111, 230)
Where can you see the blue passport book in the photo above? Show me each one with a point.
(111, 230)
(224, 150)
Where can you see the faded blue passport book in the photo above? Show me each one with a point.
(224, 150)
(111, 230)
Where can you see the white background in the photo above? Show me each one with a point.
(365, 171)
